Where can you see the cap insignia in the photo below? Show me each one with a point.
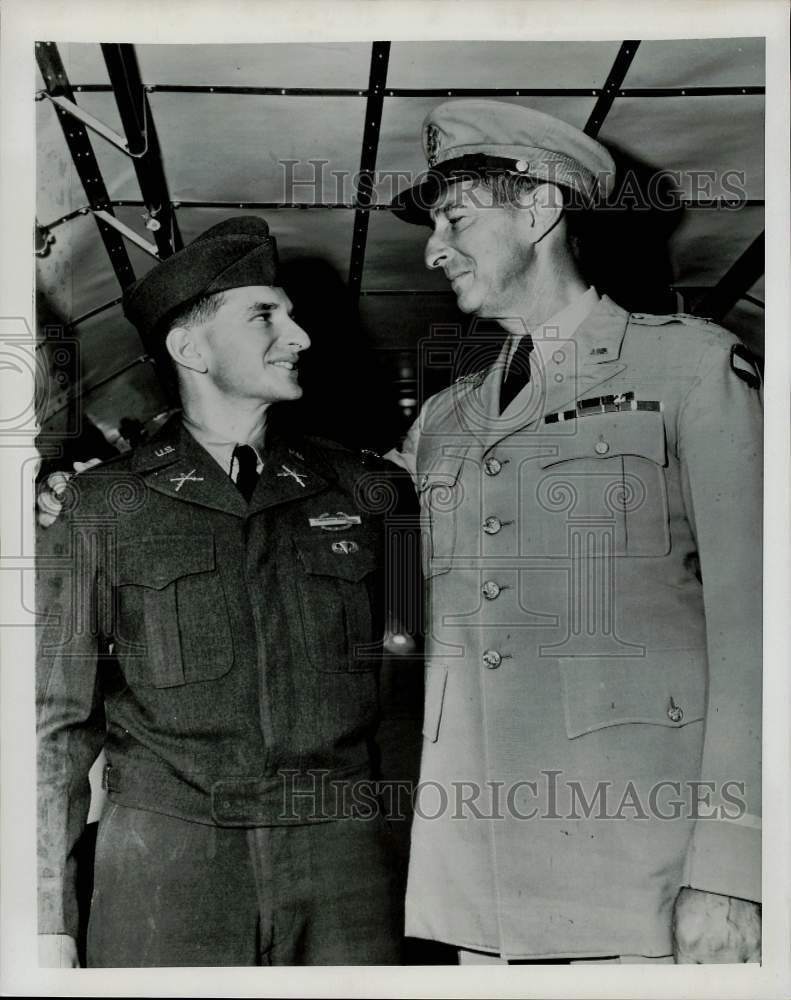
(431, 142)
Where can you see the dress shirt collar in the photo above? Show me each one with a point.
(562, 326)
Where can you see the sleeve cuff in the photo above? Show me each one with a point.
(725, 857)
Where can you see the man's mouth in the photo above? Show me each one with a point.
(457, 277)
(288, 365)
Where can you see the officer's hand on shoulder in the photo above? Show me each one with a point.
(57, 951)
(708, 928)
(48, 501)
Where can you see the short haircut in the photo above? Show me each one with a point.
(198, 310)
(508, 188)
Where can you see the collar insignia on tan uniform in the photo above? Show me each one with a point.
(166, 450)
(474, 379)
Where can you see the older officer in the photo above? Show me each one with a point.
(592, 504)
(212, 608)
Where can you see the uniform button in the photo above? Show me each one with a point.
(491, 590)
(492, 466)
(674, 712)
(492, 659)
(492, 525)
(601, 447)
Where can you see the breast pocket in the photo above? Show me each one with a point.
(601, 488)
(340, 601)
(664, 688)
(172, 624)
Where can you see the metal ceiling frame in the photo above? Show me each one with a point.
(170, 88)
(380, 57)
(136, 114)
(143, 143)
(84, 160)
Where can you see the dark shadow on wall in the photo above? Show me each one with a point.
(347, 396)
(626, 240)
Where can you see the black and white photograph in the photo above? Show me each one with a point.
(395, 524)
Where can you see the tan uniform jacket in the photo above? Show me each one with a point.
(581, 679)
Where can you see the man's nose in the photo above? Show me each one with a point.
(436, 253)
(297, 339)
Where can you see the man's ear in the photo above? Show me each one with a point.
(542, 209)
(183, 348)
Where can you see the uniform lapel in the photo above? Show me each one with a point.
(176, 465)
(571, 372)
(291, 471)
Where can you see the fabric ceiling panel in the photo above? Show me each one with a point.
(402, 117)
(324, 233)
(231, 147)
(344, 65)
(83, 62)
(722, 136)
(709, 241)
(75, 276)
(394, 258)
(107, 343)
(544, 65)
(58, 188)
(698, 62)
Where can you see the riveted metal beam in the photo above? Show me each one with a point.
(733, 285)
(169, 88)
(143, 145)
(380, 55)
(612, 84)
(79, 145)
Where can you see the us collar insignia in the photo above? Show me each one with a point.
(187, 477)
(431, 143)
(166, 450)
(474, 379)
(297, 476)
(334, 522)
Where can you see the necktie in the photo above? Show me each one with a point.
(518, 373)
(246, 476)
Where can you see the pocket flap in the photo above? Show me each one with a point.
(664, 688)
(436, 680)
(608, 435)
(158, 560)
(439, 471)
(345, 555)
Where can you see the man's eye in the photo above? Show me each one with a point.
(453, 219)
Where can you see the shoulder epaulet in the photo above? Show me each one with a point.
(328, 444)
(745, 365)
(651, 319)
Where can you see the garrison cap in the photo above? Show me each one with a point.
(475, 138)
(232, 254)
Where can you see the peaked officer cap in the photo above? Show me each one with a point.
(475, 138)
(232, 254)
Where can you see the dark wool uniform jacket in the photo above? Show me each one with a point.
(225, 656)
